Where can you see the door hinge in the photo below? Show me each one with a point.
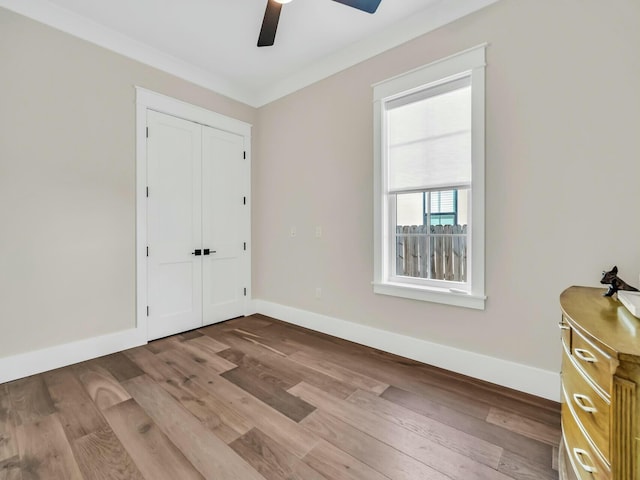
(147, 250)
(147, 310)
(147, 192)
(244, 155)
(245, 246)
(245, 291)
(147, 132)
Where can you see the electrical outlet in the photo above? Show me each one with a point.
(318, 292)
(294, 232)
(318, 231)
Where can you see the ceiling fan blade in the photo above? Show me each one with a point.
(369, 6)
(269, 24)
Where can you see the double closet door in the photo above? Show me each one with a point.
(196, 218)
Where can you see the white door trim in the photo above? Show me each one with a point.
(149, 100)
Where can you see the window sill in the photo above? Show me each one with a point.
(430, 294)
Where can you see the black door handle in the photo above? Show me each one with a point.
(207, 251)
(197, 252)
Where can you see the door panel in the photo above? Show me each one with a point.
(222, 290)
(222, 227)
(174, 225)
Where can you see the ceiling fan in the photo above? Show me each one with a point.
(272, 15)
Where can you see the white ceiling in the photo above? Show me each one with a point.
(213, 42)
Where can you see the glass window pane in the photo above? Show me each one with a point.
(410, 209)
(430, 244)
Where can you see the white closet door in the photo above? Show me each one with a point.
(174, 228)
(223, 212)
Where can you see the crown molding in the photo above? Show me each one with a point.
(86, 29)
(438, 14)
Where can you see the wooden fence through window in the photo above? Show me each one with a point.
(437, 252)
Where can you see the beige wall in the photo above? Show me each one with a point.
(563, 123)
(562, 177)
(67, 183)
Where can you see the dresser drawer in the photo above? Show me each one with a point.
(591, 410)
(585, 461)
(592, 360)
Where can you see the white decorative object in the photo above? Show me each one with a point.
(631, 300)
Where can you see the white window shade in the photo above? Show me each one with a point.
(429, 138)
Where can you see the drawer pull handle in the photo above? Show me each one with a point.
(585, 355)
(563, 326)
(579, 453)
(584, 402)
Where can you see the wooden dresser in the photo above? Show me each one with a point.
(600, 378)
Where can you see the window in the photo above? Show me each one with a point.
(429, 182)
(441, 208)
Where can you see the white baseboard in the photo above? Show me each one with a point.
(250, 307)
(30, 363)
(542, 383)
(524, 378)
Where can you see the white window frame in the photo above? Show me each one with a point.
(470, 62)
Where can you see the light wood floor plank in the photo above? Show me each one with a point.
(119, 366)
(253, 323)
(284, 379)
(190, 335)
(10, 469)
(397, 375)
(162, 344)
(45, 452)
(214, 414)
(525, 426)
(30, 400)
(204, 357)
(339, 372)
(378, 455)
(154, 454)
(271, 459)
(391, 371)
(431, 453)
(454, 390)
(335, 464)
(268, 343)
(256, 398)
(194, 440)
(284, 430)
(280, 427)
(102, 387)
(451, 438)
(479, 428)
(282, 364)
(8, 440)
(274, 396)
(521, 467)
(208, 344)
(151, 364)
(101, 456)
(77, 412)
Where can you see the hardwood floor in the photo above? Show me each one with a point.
(255, 398)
